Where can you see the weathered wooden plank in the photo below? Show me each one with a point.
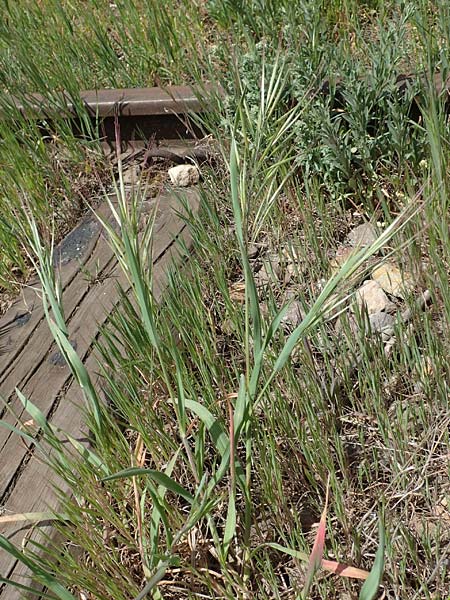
(19, 324)
(33, 491)
(36, 343)
(26, 314)
(28, 493)
(49, 376)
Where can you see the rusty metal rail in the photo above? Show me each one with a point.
(166, 113)
(127, 102)
(143, 113)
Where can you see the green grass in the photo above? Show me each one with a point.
(242, 422)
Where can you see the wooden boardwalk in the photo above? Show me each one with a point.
(30, 361)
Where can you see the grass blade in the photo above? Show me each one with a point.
(33, 517)
(230, 524)
(36, 414)
(160, 478)
(213, 425)
(158, 575)
(79, 371)
(39, 573)
(370, 588)
(250, 286)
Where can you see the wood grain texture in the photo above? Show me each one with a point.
(32, 364)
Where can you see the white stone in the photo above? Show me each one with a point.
(372, 296)
(184, 175)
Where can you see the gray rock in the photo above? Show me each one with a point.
(381, 321)
(363, 235)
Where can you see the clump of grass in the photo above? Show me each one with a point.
(209, 469)
(53, 48)
(197, 465)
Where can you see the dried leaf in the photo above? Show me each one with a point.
(344, 570)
